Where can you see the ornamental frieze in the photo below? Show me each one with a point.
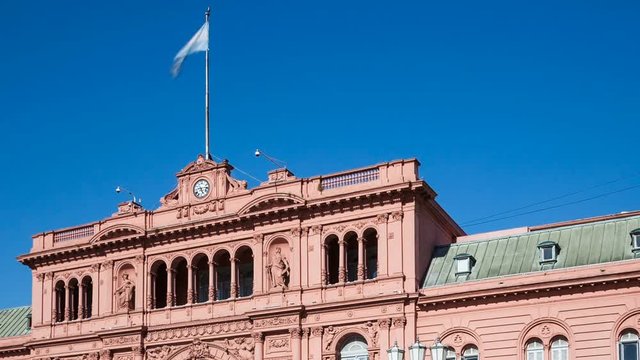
(276, 321)
(122, 340)
(189, 332)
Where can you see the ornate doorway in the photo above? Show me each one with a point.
(354, 348)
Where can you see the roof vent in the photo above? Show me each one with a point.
(548, 252)
(464, 263)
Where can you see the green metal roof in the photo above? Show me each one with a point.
(14, 322)
(592, 243)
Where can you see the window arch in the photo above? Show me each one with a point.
(86, 288)
(159, 284)
(180, 280)
(535, 350)
(332, 259)
(201, 278)
(470, 353)
(222, 261)
(371, 253)
(74, 293)
(351, 255)
(354, 348)
(60, 301)
(628, 347)
(560, 349)
(449, 354)
(245, 271)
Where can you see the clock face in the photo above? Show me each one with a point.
(201, 188)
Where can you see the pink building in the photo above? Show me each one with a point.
(339, 266)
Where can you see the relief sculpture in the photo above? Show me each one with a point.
(279, 270)
(124, 293)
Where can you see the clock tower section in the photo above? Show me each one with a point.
(202, 187)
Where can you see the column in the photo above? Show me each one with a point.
(258, 340)
(296, 343)
(305, 342)
(315, 341)
(189, 284)
(323, 264)
(67, 308)
(383, 340)
(342, 276)
(149, 301)
(170, 287)
(137, 353)
(212, 276)
(361, 243)
(81, 301)
(234, 281)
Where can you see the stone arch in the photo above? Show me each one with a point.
(222, 273)
(278, 237)
(201, 350)
(245, 269)
(271, 202)
(117, 231)
(627, 321)
(351, 254)
(344, 334)
(158, 271)
(460, 338)
(544, 329)
(179, 279)
(201, 274)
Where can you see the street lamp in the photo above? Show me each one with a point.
(395, 353)
(417, 350)
(437, 350)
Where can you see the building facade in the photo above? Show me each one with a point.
(333, 267)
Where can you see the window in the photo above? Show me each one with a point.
(354, 348)
(464, 263)
(548, 252)
(560, 349)
(470, 353)
(635, 240)
(450, 354)
(628, 346)
(535, 350)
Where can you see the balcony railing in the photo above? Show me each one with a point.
(349, 179)
(73, 234)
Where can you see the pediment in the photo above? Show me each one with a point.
(201, 164)
(271, 202)
(116, 232)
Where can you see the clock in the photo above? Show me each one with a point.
(201, 188)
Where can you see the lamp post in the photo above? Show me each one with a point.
(437, 350)
(417, 350)
(395, 353)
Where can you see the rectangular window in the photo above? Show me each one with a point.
(636, 241)
(548, 253)
(462, 266)
(629, 351)
(560, 354)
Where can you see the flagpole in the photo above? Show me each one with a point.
(206, 99)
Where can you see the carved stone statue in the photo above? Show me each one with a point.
(241, 348)
(279, 270)
(124, 293)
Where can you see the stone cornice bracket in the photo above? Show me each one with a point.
(315, 230)
(258, 238)
(40, 277)
(296, 333)
(258, 337)
(384, 324)
(399, 322)
(296, 232)
(316, 331)
(397, 215)
(381, 219)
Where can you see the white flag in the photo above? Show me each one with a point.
(199, 42)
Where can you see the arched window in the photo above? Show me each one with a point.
(449, 354)
(159, 282)
(470, 353)
(60, 301)
(535, 350)
(371, 253)
(222, 260)
(560, 349)
(74, 293)
(351, 249)
(201, 278)
(332, 261)
(354, 348)
(628, 346)
(87, 297)
(180, 281)
(245, 271)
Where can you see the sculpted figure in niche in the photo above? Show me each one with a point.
(279, 269)
(124, 293)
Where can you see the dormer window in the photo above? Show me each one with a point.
(635, 240)
(464, 263)
(548, 252)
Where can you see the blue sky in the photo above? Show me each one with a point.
(505, 103)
